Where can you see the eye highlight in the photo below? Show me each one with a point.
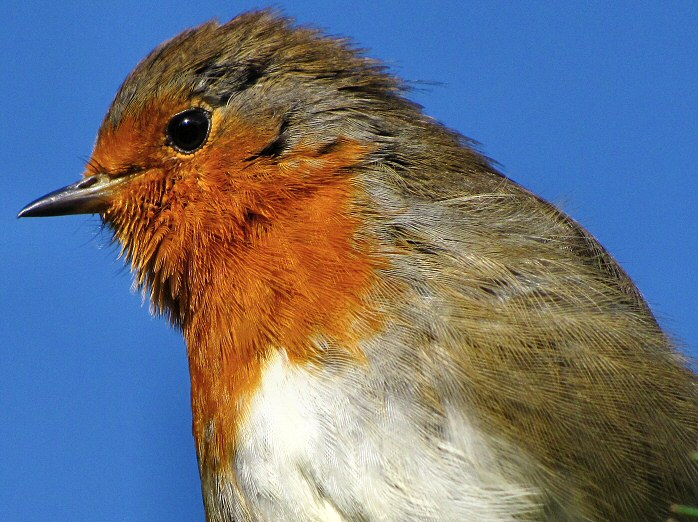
(188, 130)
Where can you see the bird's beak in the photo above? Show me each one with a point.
(87, 196)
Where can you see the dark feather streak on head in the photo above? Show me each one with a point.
(214, 62)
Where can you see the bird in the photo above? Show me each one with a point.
(380, 325)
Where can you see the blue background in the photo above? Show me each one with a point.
(594, 107)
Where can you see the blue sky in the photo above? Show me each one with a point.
(593, 107)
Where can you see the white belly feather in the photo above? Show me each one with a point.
(324, 444)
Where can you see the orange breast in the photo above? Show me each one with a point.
(300, 272)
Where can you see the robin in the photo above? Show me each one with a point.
(380, 325)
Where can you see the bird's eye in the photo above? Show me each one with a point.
(188, 131)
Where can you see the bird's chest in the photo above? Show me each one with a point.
(292, 447)
(332, 444)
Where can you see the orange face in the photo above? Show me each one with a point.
(246, 251)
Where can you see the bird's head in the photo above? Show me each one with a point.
(236, 138)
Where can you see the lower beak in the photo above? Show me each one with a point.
(87, 196)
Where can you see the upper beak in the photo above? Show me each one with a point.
(87, 196)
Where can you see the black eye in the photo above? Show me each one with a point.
(188, 130)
